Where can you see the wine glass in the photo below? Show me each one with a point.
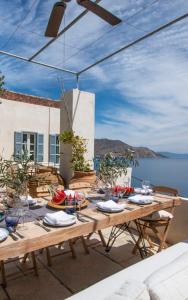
(146, 186)
(11, 218)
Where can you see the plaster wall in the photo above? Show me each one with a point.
(20, 116)
(77, 114)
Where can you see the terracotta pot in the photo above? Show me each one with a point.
(88, 176)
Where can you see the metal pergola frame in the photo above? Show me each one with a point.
(77, 74)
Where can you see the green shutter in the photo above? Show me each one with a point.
(18, 140)
(40, 147)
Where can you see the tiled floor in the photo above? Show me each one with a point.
(67, 276)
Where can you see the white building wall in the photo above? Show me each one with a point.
(20, 116)
(77, 114)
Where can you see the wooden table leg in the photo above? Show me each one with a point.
(34, 263)
(72, 249)
(102, 238)
(84, 245)
(25, 258)
(2, 267)
(49, 261)
(89, 235)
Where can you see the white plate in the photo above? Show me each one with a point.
(3, 234)
(110, 210)
(68, 223)
(141, 202)
(142, 191)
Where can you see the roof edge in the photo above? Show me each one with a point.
(30, 99)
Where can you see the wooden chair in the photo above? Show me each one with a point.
(159, 227)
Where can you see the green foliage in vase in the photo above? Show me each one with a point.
(110, 167)
(14, 174)
(78, 150)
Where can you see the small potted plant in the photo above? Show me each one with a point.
(80, 165)
(14, 175)
(110, 167)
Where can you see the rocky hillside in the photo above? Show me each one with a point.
(103, 146)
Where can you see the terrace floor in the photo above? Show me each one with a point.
(67, 276)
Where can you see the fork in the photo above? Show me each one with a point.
(19, 234)
(81, 219)
(41, 225)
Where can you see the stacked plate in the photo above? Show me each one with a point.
(28, 200)
(59, 219)
(141, 199)
(142, 191)
(110, 206)
(3, 234)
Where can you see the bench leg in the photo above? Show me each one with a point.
(34, 263)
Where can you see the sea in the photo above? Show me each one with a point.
(164, 171)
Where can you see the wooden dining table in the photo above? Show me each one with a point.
(36, 237)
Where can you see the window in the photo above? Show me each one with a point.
(30, 142)
(54, 148)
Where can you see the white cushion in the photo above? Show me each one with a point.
(171, 281)
(142, 270)
(158, 215)
(130, 290)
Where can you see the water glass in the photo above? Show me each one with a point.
(145, 186)
(11, 218)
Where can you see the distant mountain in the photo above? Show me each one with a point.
(103, 146)
(174, 155)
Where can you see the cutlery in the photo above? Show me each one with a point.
(81, 219)
(157, 201)
(15, 238)
(129, 208)
(19, 234)
(99, 211)
(42, 226)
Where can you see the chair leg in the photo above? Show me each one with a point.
(165, 233)
(3, 276)
(72, 249)
(84, 245)
(161, 236)
(34, 263)
(137, 245)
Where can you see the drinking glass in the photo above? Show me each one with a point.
(23, 210)
(108, 194)
(145, 186)
(11, 218)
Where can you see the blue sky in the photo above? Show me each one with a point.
(141, 94)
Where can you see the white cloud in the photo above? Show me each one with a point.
(150, 79)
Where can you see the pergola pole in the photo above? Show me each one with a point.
(37, 62)
(135, 42)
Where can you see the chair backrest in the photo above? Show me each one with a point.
(165, 190)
